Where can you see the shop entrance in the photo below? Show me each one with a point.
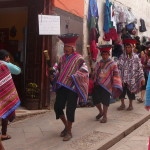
(13, 29)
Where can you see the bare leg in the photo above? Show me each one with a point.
(99, 108)
(105, 109)
(142, 94)
(69, 127)
(130, 105)
(63, 119)
(122, 106)
(1, 146)
(100, 111)
(68, 135)
(4, 135)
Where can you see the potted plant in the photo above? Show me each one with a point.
(32, 96)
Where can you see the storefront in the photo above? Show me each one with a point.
(20, 36)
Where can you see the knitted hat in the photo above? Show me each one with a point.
(129, 41)
(69, 39)
(104, 48)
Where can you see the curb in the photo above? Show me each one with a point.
(27, 114)
(105, 145)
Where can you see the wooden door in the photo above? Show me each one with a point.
(35, 61)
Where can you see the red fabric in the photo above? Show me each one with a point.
(107, 49)
(91, 86)
(71, 41)
(130, 41)
(112, 34)
(94, 50)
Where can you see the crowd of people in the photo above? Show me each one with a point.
(110, 79)
(74, 85)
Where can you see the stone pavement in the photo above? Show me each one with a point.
(138, 139)
(41, 132)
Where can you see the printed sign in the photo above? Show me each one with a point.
(49, 25)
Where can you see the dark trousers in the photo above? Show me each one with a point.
(130, 95)
(68, 98)
(4, 126)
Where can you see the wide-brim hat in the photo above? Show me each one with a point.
(129, 41)
(104, 48)
(69, 39)
(147, 45)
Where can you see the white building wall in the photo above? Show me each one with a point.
(139, 8)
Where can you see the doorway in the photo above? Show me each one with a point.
(13, 38)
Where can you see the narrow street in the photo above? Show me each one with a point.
(138, 139)
(42, 131)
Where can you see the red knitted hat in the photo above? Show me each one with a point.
(69, 39)
(129, 41)
(104, 48)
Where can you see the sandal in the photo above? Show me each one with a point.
(104, 120)
(140, 100)
(130, 108)
(99, 116)
(63, 133)
(121, 107)
(7, 137)
(67, 137)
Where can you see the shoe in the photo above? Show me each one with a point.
(121, 107)
(99, 116)
(140, 100)
(129, 108)
(104, 120)
(7, 137)
(67, 137)
(63, 133)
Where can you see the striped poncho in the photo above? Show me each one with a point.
(9, 99)
(73, 74)
(106, 74)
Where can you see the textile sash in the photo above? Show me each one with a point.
(9, 99)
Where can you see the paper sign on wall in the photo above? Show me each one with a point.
(49, 25)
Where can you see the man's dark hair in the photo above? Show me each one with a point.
(127, 44)
(3, 54)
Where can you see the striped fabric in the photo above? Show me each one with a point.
(73, 74)
(107, 75)
(9, 99)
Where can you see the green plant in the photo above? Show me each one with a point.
(32, 90)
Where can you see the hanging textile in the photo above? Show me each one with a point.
(93, 28)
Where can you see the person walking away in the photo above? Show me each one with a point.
(107, 82)
(9, 99)
(131, 72)
(70, 82)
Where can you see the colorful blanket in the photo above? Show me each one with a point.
(106, 74)
(131, 71)
(9, 99)
(73, 74)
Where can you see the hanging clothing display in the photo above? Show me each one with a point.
(107, 18)
(142, 27)
(93, 28)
